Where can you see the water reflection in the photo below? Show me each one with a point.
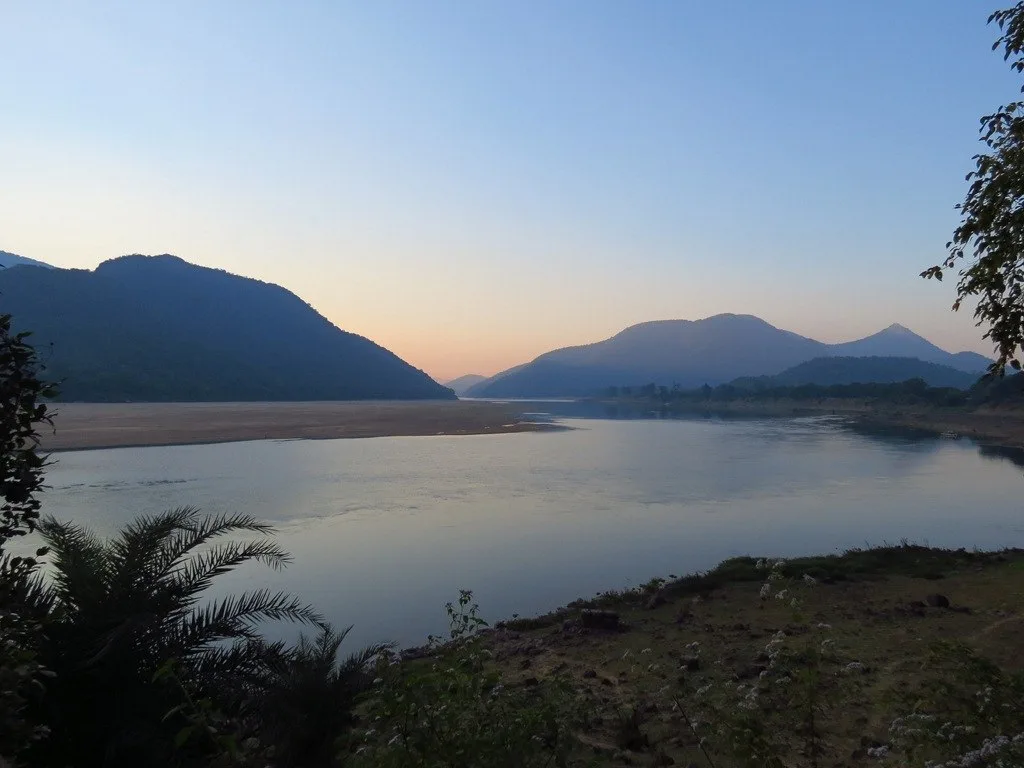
(1013, 455)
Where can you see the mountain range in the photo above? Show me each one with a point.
(692, 353)
(14, 260)
(156, 328)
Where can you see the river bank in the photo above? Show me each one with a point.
(996, 426)
(664, 664)
(79, 426)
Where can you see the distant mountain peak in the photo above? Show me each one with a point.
(900, 329)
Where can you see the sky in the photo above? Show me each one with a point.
(473, 183)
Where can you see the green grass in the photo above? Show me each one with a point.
(903, 559)
(870, 598)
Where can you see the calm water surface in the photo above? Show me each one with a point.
(384, 531)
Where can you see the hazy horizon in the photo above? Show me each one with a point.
(471, 186)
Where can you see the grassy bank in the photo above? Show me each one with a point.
(679, 658)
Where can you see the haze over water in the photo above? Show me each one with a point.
(384, 531)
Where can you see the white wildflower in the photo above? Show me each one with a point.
(879, 753)
(823, 625)
(781, 595)
(983, 755)
(809, 580)
(766, 591)
(854, 666)
(749, 701)
(761, 564)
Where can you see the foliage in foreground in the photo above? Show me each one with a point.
(990, 236)
(308, 701)
(453, 709)
(22, 409)
(953, 708)
(117, 613)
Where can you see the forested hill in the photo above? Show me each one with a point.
(827, 371)
(156, 328)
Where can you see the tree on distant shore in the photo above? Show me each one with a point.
(990, 236)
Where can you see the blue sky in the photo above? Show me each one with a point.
(471, 184)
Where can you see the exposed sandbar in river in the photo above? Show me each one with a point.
(113, 425)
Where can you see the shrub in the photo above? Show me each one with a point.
(455, 709)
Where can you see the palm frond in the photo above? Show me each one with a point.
(237, 616)
(79, 562)
(308, 698)
(358, 661)
(196, 575)
(24, 590)
(201, 530)
(244, 661)
(136, 552)
(38, 597)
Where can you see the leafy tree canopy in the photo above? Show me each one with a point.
(990, 238)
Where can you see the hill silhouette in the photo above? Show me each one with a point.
(156, 328)
(685, 352)
(691, 353)
(460, 385)
(8, 260)
(900, 341)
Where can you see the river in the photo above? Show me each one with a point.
(385, 530)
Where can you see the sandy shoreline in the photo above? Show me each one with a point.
(81, 426)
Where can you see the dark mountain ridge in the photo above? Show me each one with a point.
(691, 353)
(156, 328)
(8, 260)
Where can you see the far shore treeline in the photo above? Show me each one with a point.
(912, 391)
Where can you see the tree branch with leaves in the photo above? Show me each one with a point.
(989, 241)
